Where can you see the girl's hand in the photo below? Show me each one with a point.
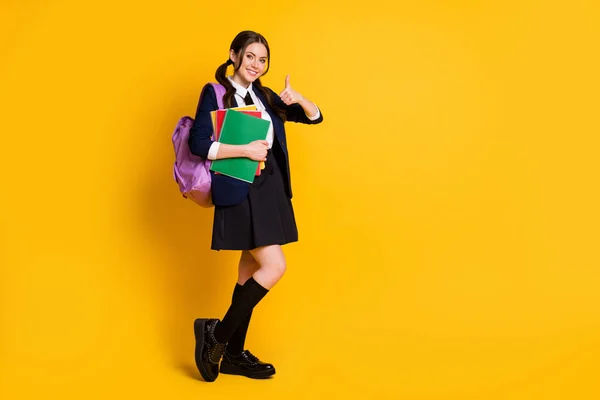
(289, 96)
(257, 150)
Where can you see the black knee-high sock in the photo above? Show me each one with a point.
(249, 296)
(236, 342)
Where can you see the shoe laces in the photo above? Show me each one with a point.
(251, 356)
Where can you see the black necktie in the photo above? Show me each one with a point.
(248, 99)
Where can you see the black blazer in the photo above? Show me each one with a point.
(227, 191)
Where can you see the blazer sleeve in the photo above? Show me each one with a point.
(294, 112)
(201, 132)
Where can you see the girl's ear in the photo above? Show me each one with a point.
(232, 55)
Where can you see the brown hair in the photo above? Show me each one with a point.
(239, 45)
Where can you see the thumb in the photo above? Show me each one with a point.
(287, 82)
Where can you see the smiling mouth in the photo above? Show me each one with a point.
(252, 72)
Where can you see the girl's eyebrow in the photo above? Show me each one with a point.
(255, 54)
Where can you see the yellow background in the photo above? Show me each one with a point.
(447, 206)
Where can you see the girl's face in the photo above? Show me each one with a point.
(253, 63)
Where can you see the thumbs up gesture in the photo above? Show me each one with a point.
(289, 96)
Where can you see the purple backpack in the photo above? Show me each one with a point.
(192, 172)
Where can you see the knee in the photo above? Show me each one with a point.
(276, 270)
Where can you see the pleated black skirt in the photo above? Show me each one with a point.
(265, 217)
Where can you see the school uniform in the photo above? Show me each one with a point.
(250, 215)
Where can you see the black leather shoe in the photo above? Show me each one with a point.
(246, 364)
(208, 351)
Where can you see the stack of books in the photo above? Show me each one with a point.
(239, 126)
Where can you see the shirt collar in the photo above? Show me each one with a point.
(239, 89)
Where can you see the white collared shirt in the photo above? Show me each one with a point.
(240, 94)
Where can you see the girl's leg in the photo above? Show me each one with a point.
(246, 268)
(212, 334)
(272, 266)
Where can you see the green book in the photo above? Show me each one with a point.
(238, 129)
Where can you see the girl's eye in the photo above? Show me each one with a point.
(263, 61)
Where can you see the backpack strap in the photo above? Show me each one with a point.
(220, 92)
